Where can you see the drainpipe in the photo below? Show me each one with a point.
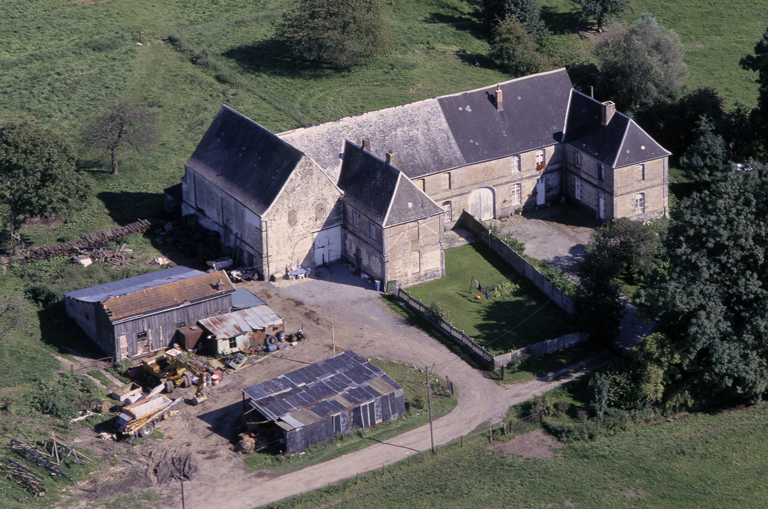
(266, 249)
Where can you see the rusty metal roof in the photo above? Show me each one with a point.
(239, 322)
(319, 390)
(174, 294)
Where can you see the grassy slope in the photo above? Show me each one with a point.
(701, 461)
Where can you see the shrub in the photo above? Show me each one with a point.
(63, 396)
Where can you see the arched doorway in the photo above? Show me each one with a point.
(480, 203)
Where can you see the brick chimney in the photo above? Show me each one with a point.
(366, 145)
(609, 108)
(391, 158)
(499, 98)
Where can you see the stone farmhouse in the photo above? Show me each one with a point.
(378, 189)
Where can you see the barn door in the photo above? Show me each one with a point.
(480, 204)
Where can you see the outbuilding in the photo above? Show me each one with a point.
(241, 329)
(313, 404)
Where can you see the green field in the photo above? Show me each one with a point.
(696, 461)
(500, 324)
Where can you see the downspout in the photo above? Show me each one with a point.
(266, 248)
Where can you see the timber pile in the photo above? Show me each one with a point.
(117, 257)
(29, 452)
(21, 475)
(191, 238)
(94, 240)
(167, 466)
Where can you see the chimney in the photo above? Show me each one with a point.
(391, 158)
(220, 285)
(366, 145)
(499, 98)
(609, 108)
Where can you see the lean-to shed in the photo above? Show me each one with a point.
(240, 329)
(316, 402)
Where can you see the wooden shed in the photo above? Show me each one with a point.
(316, 402)
(240, 330)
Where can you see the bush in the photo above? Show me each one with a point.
(63, 396)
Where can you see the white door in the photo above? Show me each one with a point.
(328, 245)
(601, 204)
(541, 192)
(577, 192)
(480, 204)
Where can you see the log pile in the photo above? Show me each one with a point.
(21, 475)
(93, 240)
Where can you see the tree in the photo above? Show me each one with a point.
(515, 50)
(337, 32)
(712, 301)
(603, 11)
(37, 175)
(123, 124)
(708, 156)
(641, 64)
(527, 12)
(759, 63)
(634, 245)
(598, 305)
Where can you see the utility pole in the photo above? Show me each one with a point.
(181, 478)
(429, 402)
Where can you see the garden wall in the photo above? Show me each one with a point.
(517, 262)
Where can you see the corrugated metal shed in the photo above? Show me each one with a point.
(240, 322)
(322, 389)
(168, 295)
(133, 284)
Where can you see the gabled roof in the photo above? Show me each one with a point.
(239, 322)
(620, 143)
(99, 293)
(381, 191)
(167, 296)
(532, 116)
(434, 135)
(244, 159)
(319, 390)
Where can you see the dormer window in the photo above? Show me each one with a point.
(601, 172)
(372, 230)
(577, 159)
(355, 219)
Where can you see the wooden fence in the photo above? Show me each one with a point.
(517, 262)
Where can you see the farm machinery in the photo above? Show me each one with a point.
(172, 369)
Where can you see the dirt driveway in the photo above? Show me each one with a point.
(361, 322)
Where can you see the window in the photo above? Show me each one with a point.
(372, 230)
(320, 212)
(601, 172)
(577, 159)
(179, 325)
(292, 217)
(355, 219)
(640, 203)
(447, 207)
(515, 195)
(640, 172)
(233, 342)
(514, 164)
(142, 336)
(446, 181)
(539, 156)
(577, 191)
(421, 184)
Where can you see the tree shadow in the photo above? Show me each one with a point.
(561, 23)
(64, 335)
(464, 22)
(125, 208)
(476, 59)
(274, 57)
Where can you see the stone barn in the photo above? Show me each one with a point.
(313, 404)
(139, 315)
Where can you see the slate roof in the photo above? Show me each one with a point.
(172, 294)
(236, 323)
(319, 390)
(621, 143)
(243, 298)
(244, 159)
(532, 116)
(437, 134)
(381, 191)
(99, 293)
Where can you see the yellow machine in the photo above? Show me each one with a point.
(173, 369)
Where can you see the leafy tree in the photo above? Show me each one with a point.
(641, 64)
(37, 175)
(759, 63)
(712, 302)
(515, 50)
(598, 305)
(527, 12)
(603, 11)
(634, 245)
(708, 156)
(123, 124)
(337, 32)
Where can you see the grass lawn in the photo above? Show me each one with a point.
(500, 324)
(698, 461)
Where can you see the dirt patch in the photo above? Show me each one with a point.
(535, 444)
(50, 221)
